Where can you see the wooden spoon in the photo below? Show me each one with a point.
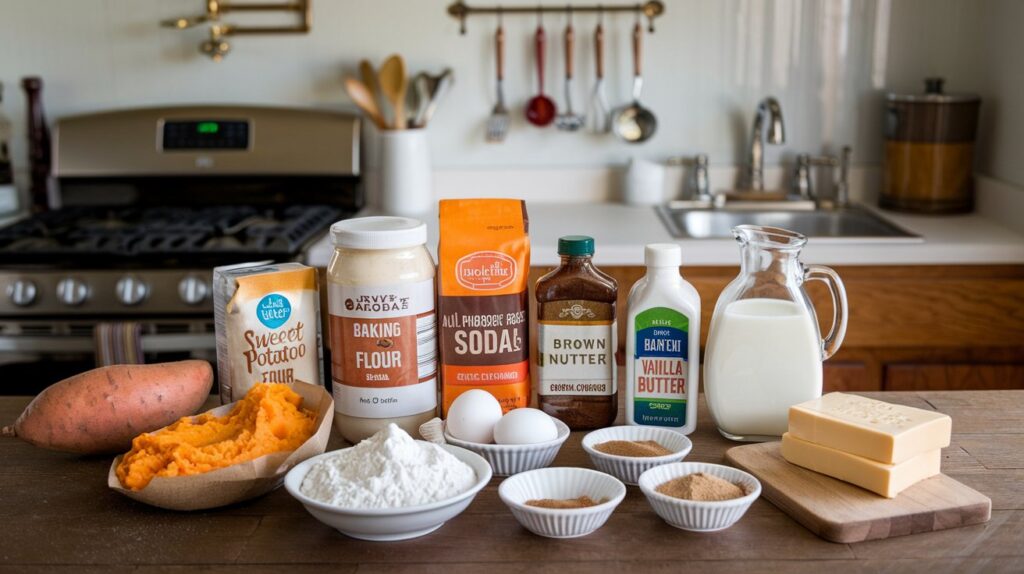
(394, 83)
(363, 98)
(369, 77)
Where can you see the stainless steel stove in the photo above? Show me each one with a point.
(146, 203)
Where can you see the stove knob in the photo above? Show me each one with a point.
(131, 290)
(193, 290)
(72, 292)
(22, 292)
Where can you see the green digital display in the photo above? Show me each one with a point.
(206, 134)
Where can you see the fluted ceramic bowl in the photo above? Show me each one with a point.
(509, 459)
(561, 483)
(629, 468)
(697, 515)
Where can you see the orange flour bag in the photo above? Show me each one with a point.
(484, 255)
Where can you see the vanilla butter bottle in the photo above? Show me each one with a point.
(662, 344)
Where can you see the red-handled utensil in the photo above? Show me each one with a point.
(540, 110)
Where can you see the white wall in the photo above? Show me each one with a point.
(1001, 153)
(708, 64)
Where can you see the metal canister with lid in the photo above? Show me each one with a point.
(929, 151)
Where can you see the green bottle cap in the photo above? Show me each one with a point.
(576, 245)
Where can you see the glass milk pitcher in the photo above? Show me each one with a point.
(764, 350)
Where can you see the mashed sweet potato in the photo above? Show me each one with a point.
(269, 419)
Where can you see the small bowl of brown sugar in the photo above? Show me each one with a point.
(699, 496)
(626, 452)
(562, 502)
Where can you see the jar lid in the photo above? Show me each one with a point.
(934, 94)
(663, 255)
(381, 232)
(575, 245)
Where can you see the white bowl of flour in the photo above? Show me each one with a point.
(388, 487)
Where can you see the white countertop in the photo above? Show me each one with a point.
(621, 231)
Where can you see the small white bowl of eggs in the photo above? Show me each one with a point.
(522, 439)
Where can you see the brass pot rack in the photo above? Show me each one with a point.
(651, 9)
(216, 47)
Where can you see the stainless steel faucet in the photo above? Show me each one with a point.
(843, 184)
(699, 183)
(702, 184)
(803, 187)
(775, 134)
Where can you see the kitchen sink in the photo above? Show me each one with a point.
(852, 222)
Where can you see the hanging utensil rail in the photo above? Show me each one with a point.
(651, 10)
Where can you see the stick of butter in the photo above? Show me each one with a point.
(872, 429)
(885, 479)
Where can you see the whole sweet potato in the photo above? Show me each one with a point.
(102, 410)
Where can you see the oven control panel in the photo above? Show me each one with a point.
(108, 292)
(205, 141)
(205, 134)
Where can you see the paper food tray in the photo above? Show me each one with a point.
(240, 481)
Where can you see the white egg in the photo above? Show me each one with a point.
(473, 415)
(525, 426)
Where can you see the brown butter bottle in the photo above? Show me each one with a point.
(577, 339)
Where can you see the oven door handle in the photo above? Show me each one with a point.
(166, 343)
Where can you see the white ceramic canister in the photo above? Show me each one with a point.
(383, 326)
(644, 183)
(405, 178)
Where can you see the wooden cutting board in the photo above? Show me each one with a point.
(841, 512)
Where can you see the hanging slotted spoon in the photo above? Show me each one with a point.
(599, 111)
(497, 122)
(569, 121)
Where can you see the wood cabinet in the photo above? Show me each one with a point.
(910, 327)
(953, 377)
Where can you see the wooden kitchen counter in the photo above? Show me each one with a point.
(60, 515)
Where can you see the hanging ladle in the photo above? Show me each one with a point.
(633, 122)
(540, 110)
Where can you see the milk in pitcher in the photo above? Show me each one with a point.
(764, 350)
(765, 355)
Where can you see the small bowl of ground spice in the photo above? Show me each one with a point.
(699, 496)
(562, 502)
(626, 452)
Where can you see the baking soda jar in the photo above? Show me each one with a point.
(382, 325)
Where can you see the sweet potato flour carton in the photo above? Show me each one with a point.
(484, 254)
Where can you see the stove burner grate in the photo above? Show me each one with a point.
(129, 232)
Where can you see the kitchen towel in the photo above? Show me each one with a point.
(118, 343)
